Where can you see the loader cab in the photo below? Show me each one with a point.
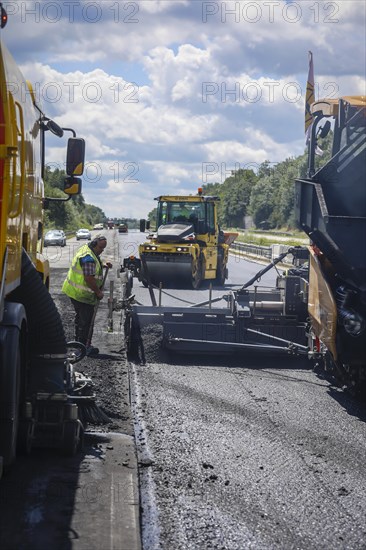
(200, 215)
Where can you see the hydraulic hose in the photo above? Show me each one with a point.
(267, 268)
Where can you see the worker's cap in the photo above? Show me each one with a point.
(99, 237)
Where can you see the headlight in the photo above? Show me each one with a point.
(353, 323)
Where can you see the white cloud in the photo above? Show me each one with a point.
(211, 87)
(233, 152)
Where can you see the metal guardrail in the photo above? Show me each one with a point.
(268, 253)
(253, 250)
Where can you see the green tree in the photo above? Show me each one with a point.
(236, 197)
(262, 202)
(283, 181)
(234, 193)
(152, 217)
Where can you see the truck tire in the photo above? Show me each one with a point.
(197, 273)
(220, 275)
(45, 328)
(221, 272)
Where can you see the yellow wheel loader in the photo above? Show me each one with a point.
(188, 243)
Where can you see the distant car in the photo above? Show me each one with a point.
(83, 234)
(122, 228)
(54, 237)
(98, 226)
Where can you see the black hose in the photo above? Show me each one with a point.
(265, 269)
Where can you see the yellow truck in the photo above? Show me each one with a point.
(33, 349)
(188, 242)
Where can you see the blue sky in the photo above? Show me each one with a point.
(170, 94)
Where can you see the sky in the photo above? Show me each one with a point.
(173, 94)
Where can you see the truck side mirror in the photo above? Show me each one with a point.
(142, 226)
(75, 157)
(72, 186)
(148, 224)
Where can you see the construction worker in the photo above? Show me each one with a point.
(83, 286)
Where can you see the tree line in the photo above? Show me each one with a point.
(267, 195)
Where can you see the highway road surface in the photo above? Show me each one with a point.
(244, 452)
(203, 452)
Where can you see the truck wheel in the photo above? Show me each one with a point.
(196, 274)
(221, 274)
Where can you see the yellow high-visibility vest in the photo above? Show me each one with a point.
(74, 285)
